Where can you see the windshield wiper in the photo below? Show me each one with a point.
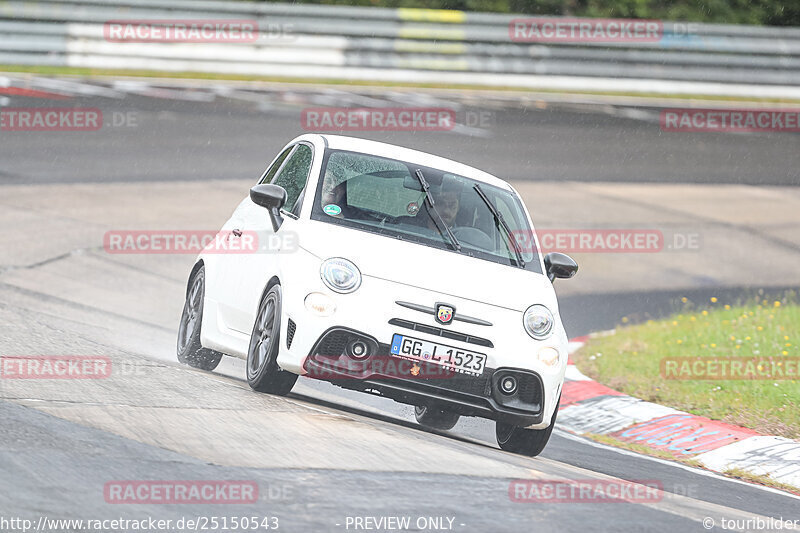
(498, 216)
(437, 218)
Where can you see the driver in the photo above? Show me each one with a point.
(448, 200)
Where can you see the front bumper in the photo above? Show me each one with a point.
(421, 383)
(374, 311)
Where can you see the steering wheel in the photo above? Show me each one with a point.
(474, 237)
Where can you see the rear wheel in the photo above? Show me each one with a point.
(190, 351)
(435, 418)
(530, 442)
(263, 372)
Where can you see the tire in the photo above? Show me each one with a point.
(530, 442)
(190, 351)
(435, 418)
(263, 372)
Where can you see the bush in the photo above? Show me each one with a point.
(760, 12)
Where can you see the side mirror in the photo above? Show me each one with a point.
(559, 265)
(273, 198)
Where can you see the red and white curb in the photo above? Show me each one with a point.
(589, 407)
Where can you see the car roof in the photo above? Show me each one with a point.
(354, 144)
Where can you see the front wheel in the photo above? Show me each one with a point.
(530, 442)
(263, 372)
(190, 351)
(435, 418)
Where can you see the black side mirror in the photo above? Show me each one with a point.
(559, 265)
(272, 197)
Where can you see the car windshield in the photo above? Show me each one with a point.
(385, 196)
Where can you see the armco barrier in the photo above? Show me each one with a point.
(314, 41)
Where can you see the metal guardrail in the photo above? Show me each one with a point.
(392, 44)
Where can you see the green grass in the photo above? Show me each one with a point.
(630, 361)
(744, 475)
(88, 72)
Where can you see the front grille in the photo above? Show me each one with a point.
(530, 390)
(476, 386)
(291, 328)
(333, 344)
(440, 332)
(424, 383)
(472, 386)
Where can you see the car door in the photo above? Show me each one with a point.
(225, 283)
(250, 271)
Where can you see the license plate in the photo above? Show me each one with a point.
(462, 361)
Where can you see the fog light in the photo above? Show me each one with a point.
(358, 349)
(320, 304)
(508, 385)
(548, 356)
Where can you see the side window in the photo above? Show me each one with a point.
(267, 178)
(294, 174)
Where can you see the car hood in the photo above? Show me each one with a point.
(430, 268)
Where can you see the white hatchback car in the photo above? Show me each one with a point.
(389, 271)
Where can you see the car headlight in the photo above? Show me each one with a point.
(538, 321)
(340, 275)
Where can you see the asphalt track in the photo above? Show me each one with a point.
(201, 133)
(325, 454)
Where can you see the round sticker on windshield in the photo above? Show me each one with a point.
(412, 208)
(332, 209)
